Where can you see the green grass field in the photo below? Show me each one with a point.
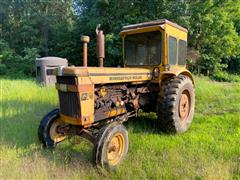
(209, 150)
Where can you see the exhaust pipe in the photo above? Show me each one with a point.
(85, 40)
(100, 46)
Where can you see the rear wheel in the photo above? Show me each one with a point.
(176, 103)
(48, 129)
(111, 146)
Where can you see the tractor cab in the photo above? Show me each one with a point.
(154, 44)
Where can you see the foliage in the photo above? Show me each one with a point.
(215, 34)
(14, 64)
(5, 54)
(28, 60)
(225, 76)
(54, 29)
(233, 64)
(45, 27)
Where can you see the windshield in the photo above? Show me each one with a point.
(143, 49)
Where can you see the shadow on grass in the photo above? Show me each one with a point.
(20, 121)
(19, 127)
(145, 123)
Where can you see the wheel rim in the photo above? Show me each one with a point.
(54, 134)
(184, 105)
(115, 149)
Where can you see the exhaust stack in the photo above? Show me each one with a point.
(100, 46)
(85, 40)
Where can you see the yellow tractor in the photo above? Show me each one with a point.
(95, 101)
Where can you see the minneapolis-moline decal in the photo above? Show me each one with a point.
(120, 78)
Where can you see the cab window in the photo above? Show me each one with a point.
(143, 48)
(172, 50)
(182, 51)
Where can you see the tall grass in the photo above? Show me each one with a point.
(209, 150)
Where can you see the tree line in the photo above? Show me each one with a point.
(36, 28)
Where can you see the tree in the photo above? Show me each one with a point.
(213, 33)
(53, 28)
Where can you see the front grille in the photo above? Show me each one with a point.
(69, 104)
(67, 80)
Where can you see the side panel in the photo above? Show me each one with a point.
(178, 34)
(85, 93)
(103, 75)
(103, 78)
(118, 75)
(87, 101)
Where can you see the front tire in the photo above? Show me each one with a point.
(47, 130)
(176, 103)
(111, 146)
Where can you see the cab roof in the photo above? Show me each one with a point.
(157, 23)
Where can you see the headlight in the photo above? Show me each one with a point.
(156, 72)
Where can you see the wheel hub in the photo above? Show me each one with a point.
(54, 133)
(115, 149)
(184, 105)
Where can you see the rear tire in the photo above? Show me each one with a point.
(176, 103)
(111, 146)
(47, 130)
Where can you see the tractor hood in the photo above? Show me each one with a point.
(106, 74)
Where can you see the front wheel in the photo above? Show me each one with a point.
(48, 129)
(111, 146)
(176, 103)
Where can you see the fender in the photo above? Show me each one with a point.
(176, 72)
